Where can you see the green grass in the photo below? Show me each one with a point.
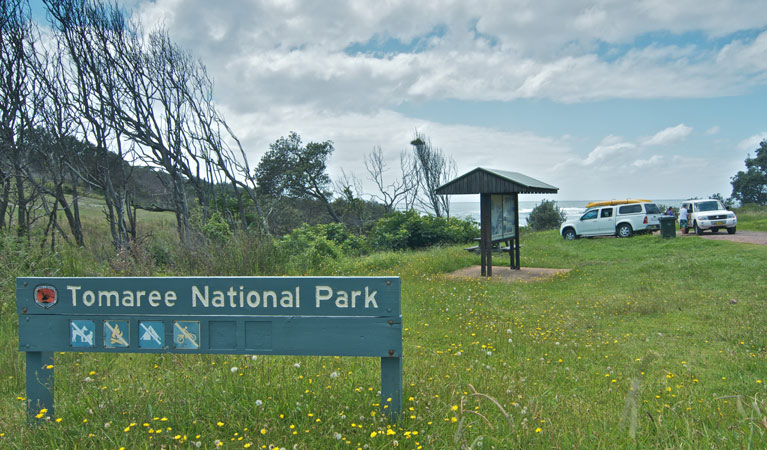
(639, 346)
(752, 217)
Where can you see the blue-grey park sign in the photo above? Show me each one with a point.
(338, 316)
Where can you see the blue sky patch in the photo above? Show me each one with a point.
(381, 46)
(698, 39)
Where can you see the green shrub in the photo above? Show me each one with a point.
(335, 233)
(216, 230)
(546, 216)
(402, 230)
(311, 246)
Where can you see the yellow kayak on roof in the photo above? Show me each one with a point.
(615, 202)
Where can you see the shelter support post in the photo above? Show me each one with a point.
(39, 374)
(485, 243)
(514, 254)
(391, 388)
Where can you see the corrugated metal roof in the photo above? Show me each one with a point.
(519, 178)
(482, 180)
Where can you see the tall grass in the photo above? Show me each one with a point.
(645, 343)
(752, 217)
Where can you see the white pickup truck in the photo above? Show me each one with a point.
(614, 220)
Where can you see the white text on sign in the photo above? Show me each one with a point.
(232, 297)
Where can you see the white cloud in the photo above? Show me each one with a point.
(751, 143)
(285, 65)
(653, 161)
(293, 52)
(607, 151)
(713, 130)
(354, 134)
(669, 135)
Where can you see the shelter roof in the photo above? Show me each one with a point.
(491, 181)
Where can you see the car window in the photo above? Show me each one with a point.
(651, 208)
(711, 205)
(630, 209)
(607, 212)
(590, 214)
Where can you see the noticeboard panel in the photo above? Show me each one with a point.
(502, 217)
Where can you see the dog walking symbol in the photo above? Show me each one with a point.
(186, 335)
(81, 333)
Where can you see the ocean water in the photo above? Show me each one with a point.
(572, 208)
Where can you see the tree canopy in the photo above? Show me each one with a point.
(292, 169)
(751, 186)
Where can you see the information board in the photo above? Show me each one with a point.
(338, 316)
(503, 217)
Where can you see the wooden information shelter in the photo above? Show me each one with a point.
(499, 208)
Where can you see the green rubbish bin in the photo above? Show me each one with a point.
(667, 226)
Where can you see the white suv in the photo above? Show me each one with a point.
(709, 214)
(621, 220)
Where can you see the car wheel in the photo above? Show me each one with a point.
(624, 230)
(731, 230)
(698, 231)
(569, 234)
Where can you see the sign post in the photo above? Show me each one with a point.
(329, 316)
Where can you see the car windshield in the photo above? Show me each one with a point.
(651, 208)
(711, 205)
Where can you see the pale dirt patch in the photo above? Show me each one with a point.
(746, 237)
(508, 275)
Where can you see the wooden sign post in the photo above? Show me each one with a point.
(333, 316)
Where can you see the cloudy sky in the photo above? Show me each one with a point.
(603, 99)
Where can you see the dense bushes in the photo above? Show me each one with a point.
(216, 230)
(402, 230)
(330, 239)
(546, 216)
(398, 231)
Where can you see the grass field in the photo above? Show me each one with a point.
(753, 218)
(646, 343)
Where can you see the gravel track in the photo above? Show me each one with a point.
(746, 237)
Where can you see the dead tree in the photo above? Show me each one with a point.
(55, 147)
(434, 169)
(350, 189)
(219, 146)
(394, 193)
(18, 99)
(91, 33)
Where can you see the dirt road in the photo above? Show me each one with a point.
(747, 237)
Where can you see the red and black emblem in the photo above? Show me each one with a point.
(45, 296)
